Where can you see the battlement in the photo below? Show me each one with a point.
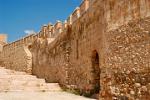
(57, 28)
(115, 13)
(84, 6)
(25, 41)
(79, 11)
(52, 31)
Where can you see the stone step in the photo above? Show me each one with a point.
(13, 81)
(22, 82)
(7, 71)
(17, 77)
(19, 73)
(28, 88)
(2, 67)
(53, 86)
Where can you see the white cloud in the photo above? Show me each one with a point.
(28, 32)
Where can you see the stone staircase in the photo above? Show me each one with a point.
(13, 81)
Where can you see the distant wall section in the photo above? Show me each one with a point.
(16, 55)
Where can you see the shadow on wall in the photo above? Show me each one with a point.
(95, 74)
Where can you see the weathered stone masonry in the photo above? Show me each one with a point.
(103, 47)
(17, 56)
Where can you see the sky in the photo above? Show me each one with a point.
(18, 17)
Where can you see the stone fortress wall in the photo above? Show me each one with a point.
(103, 47)
(17, 56)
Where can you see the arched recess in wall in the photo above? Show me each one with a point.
(95, 72)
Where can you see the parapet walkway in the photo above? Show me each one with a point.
(16, 85)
